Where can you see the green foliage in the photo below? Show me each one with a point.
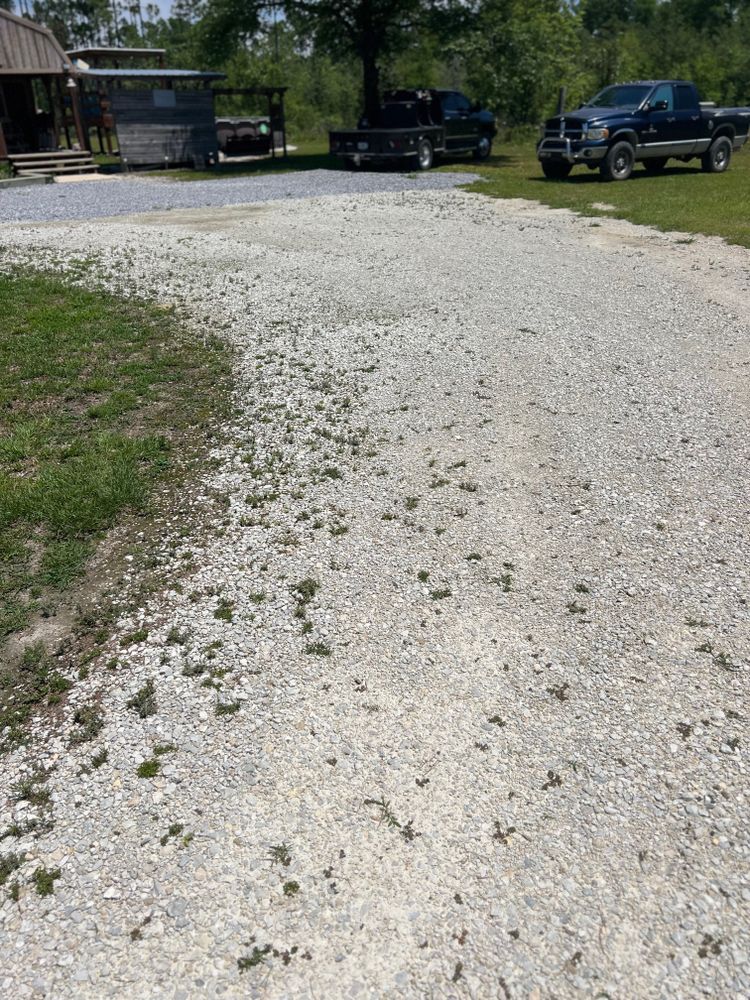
(512, 55)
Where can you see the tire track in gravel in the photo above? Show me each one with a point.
(514, 480)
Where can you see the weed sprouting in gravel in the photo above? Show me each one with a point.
(224, 610)
(468, 487)
(580, 588)
(175, 637)
(44, 880)
(457, 972)
(503, 835)
(496, 720)
(256, 958)
(32, 789)
(9, 863)
(148, 768)
(440, 593)
(318, 649)
(411, 503)
(144, 700)
(134, 637)
(574, 608)
(560, 691)
(696, 622)
(474, 557)
(175, 829)
(162, 748)
(291, 888)
(553, 781)
(423, 576)
(280, 854)
(100, 758)
(387, 816)
(227, 707)
(504, 581)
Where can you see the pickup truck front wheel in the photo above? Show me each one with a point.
(425, 154)
(716, 160)
(618, 164)
(484, 148)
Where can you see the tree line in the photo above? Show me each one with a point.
(512, 55)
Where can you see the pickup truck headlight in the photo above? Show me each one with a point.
(596, 133)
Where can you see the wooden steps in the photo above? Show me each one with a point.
(64, 161)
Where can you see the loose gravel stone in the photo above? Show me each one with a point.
(414, 771)
(129, 195)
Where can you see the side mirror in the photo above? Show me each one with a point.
(659, 106)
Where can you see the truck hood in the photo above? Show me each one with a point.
(581, 116)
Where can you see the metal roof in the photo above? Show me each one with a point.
(29, 49)
(111, 50)
(150, 74)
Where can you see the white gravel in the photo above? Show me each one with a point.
(127, 195)
(550, 418)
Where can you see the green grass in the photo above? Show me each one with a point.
(93, 392)
(682, 198)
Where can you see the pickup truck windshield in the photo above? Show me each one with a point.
(625, 96)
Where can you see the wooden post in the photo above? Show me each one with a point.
(75, 104)
(3, 144)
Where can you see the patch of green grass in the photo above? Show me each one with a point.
(291, 888)
(311, 155)
(93, 388)
(681, 198)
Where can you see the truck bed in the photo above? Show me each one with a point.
(385, 143)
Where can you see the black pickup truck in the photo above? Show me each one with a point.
(417, 126)
(648, 121)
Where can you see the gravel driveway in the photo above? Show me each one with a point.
(474, 626)
(128, 195)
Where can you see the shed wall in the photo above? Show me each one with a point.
(154, 125)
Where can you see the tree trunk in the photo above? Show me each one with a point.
(371, 84)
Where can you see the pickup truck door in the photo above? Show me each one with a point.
(461, 127)
(670, 131)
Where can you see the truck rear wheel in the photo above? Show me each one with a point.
(556, 170)
(618, 164)
(716, 159)
(425, 154)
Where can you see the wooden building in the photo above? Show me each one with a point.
(38, 90)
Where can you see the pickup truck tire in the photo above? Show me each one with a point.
(556, 170)
(484, 147)
(716, 159)
(655, 166)
(618, 164)
(425, 154)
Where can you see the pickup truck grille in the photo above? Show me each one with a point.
(575, 133)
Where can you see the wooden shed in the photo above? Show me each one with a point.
(38, 91)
